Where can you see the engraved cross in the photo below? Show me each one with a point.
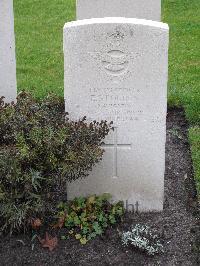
(115, 147)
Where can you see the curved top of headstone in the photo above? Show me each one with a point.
(145, 9)
(117, 20)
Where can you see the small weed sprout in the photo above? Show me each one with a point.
(142, 237)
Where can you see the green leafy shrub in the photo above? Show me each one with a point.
(88, 217)
(141, 237)
(41, 148)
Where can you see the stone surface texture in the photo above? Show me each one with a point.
(8, 84)
(144, 9)
(116, 69)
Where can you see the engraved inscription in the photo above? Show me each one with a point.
(113, 97)
(115, 62)
(117, 104)
(115, 147)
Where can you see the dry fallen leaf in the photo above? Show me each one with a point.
(60, 222)
(49, 241)
(36, 223)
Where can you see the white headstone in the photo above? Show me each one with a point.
(116, 69)
(145, 9)
(8, 84)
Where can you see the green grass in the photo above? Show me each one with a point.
(38, 26)
(183, 17)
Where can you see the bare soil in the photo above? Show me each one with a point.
(178, 225)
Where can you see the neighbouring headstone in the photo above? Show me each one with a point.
(144, 9)
(8, 83)
(116, 69)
